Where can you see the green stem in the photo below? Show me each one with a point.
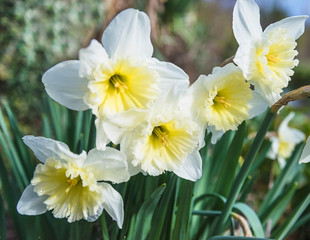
(206, 213)
(104, 228)
(244, 171)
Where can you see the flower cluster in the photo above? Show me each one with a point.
(146, 106)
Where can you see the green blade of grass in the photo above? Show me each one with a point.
(2, 220)
(286, 175)
(276, 208)
(231, 163)
(104, 228)
(288, 224)
(144, 216)
(243, 173)
(237, 238)
(163, 213)
(184, 205)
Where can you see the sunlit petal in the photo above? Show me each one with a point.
(63, 84)
(128, 34)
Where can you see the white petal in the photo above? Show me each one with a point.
(117, 125)
(290, 134)
(30, 203)
(63, 84)
(202, 135)
(108, 165)
(215, 134)
(128, 35)
(167, 102)
(170, 75)
(281, 162)
(258, 105)
(113, 204)
(305, 155)
(96, 216)
(273, 151)
(44, 148)
(126, 147)
(192, 167)
(91, 57)
(246, 25)
(295, 26)
(267, 93)
(101, 138)
(245, 58)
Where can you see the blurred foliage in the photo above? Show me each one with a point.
(34, 35)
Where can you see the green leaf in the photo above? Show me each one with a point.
(206, 212)
(2, 220)
(104, 228)
(243, 173)
(184, 204)
(288, 224)
(237, 238)
(276, 209)
(145, 214)
(163, 213)
(303, 220)
(209, 195)
(252, 218)
(285, 177)
(231, 163)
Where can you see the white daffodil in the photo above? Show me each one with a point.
(266, 58)
(71, 185)
(221, 101)
(283, 145)
(305, 155)
(158, 140)
(114, 77)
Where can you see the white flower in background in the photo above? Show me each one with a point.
(221, 101)
(158, 140)
(305, 155)
(266, 58)
(116, 77)
(283, 145)
(71, 185)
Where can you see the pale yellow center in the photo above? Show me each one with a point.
(118, 83)
(166, 146)
(121, 86)
(161, 135)
(221, 100)
(73, 197)
(227, 103)
(285, 148)
(275, 61)
(72, 183)
(272, 58)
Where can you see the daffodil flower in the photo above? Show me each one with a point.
(266, 57)
(114, 77)
(221, 101)
(283, 144)
(72, 185)
(305, 155)
(160, 139)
